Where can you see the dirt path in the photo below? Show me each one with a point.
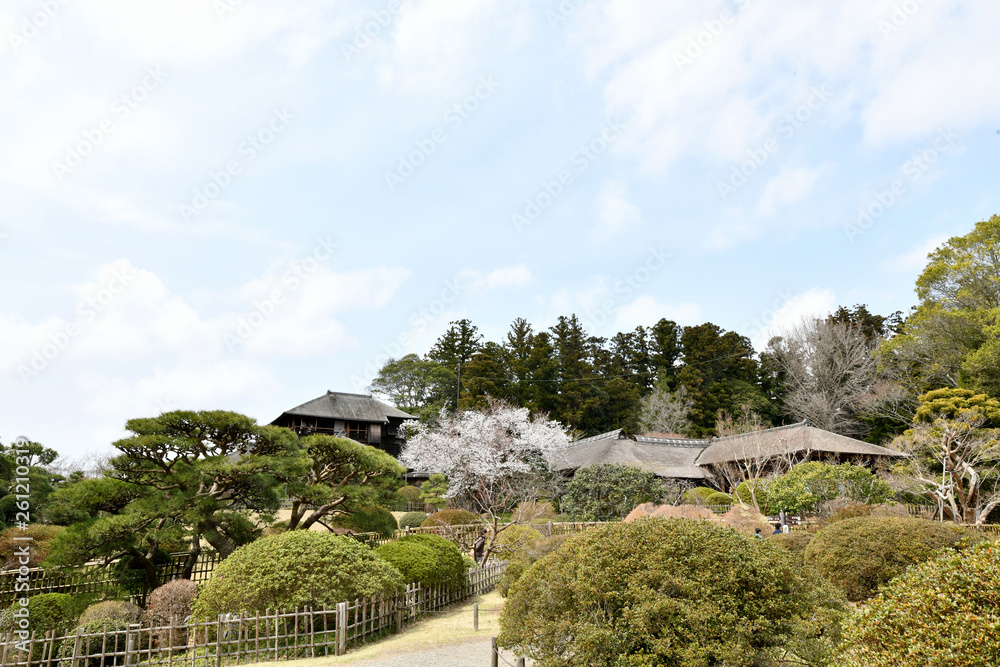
(442, 639)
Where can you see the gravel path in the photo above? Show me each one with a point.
(466, 654)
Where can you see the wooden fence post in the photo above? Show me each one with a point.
(218, 642)
(494, 656)
(341, 628)
(520, 662)
(475, 616)
(75, 660)
(130, 635)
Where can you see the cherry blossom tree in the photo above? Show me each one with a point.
(494, 459)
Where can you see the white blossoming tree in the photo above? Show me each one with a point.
(494, 459)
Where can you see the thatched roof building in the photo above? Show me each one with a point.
(693, 459)
(665, 457)
(799, 441)
(356, 416)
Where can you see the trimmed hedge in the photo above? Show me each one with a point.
(296, 569)
(522, 559)
(369, 520)
(111, 636)
(412, 519)
(860, 554)
(111, 610)
(669, 592)
(428, 559)
(698, 495)
(46, 611)
(944, 612)
(451, 518)
(409, 493)
(171, 604)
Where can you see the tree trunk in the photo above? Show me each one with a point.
(148, 568)
(192, 558)
(222, 544)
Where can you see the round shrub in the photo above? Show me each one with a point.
(860, 554)
(718, 498)
(451, 518)
(429, 559)
(697, 495)
(743, 495)
(369, 520)
(46, 611)
(449, 557)
(668, 592)
(170, 605)
(517, 537)
(172, 600)
(409, 494)
(944, 612)
(38, 548)
(411, 519)
(296, 569)
(111, 610)
(609, 491)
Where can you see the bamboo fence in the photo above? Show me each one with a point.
(233, 639)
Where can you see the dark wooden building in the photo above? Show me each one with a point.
(356, 416)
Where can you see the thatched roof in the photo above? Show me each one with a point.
(349, 407)
(797, 439)
(664, 457)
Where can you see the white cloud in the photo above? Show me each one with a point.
(791, 185)
(473, 281)
(614, 212)
(786, 312)
(647, 310)
(915, 260)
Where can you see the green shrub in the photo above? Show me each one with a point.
(111, 610)
(451, 518)
(295, 569)
(518, 537)
(38, 548)
(944, 612)
(110, 636)
(369, 520)
(795, 541)
(806, 486)
(520, 561)
(669, 592)
(718, 498)
(449, 556)
(46, 612)
(608, 492)
(742, 495)
(861, 554)
(429, 559)
(698, 495)
(411, 519)
(409, 493)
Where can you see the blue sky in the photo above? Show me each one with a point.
(232, 204)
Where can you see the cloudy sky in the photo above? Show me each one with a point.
(237, 204)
